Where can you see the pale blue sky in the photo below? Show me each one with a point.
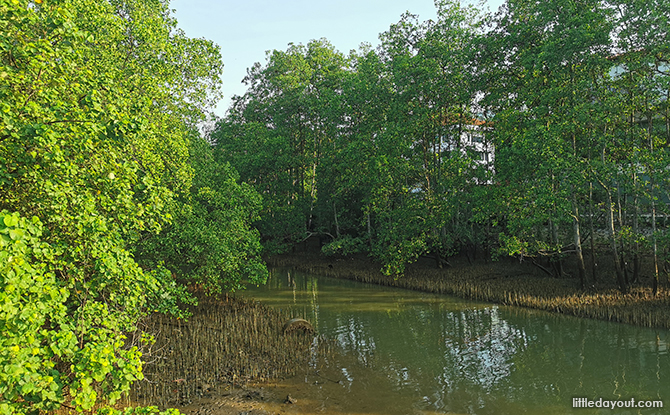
(245, 29)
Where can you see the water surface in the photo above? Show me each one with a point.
(406, 352)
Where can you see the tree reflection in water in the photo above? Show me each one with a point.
(468, 357)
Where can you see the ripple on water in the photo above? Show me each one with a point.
(412, 352)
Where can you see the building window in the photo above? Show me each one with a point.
(483, 156)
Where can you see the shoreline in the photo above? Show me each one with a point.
(254, 388)
(505, 282)
(226, 345)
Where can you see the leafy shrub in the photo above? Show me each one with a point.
(345, 245)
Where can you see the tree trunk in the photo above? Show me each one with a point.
(622, 255)
(578, 241)
(594, 263)
(312, 197)
(617, 266)
(369, 229)
(557, 263)
(653, 206)
(337, 226)
(653, 239)
(636, 231)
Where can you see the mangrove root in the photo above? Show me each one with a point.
(298, 323)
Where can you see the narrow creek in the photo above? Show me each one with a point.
(407, 352)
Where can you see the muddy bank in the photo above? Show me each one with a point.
(247, 399)
(506, 282)
(226, 343)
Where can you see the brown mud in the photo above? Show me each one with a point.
(210, 362)
(304, 394)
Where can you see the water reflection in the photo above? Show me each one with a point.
(445, 354)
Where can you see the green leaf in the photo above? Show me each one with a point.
(11, 220)
(16, 234)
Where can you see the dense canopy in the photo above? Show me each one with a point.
(522, 133)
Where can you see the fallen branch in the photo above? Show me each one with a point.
(543, 268)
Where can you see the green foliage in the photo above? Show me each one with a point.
(540, 140)
(345, 245)
(50, 351)
(370, 148)
(97, 104)
(32, 304)
(210, 241)
(512, 245)
(149, 410)
(266, 160)
(366, 148)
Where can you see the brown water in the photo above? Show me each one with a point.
(406, 352)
